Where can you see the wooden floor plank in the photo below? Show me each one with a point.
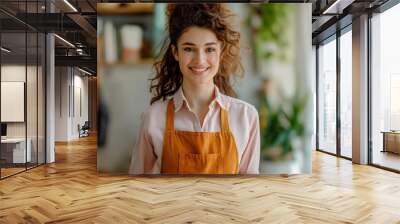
(71, 191)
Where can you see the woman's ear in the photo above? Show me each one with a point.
(175, 52)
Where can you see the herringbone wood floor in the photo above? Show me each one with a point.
(71, 191)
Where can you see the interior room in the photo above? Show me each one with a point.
(75, 72)
(22, 99)
(384, 90)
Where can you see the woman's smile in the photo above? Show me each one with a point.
(199, 70)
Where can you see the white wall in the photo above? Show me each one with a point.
(125, 92)
(12, 73)
(33, 126)
(80, 84)
(13, 94)
(68, 86)
(61, 103)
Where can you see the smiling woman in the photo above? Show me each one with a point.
(198, 51)
(194, 124)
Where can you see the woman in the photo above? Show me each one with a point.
(194, 125)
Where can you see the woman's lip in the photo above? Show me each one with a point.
(199, 69)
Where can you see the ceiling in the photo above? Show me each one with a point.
(79, 27)
(329, 16)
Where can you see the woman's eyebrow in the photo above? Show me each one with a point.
(192, 44)
(188, 43)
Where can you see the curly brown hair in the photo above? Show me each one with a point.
(214, 17)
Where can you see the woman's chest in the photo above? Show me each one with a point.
(185, 122)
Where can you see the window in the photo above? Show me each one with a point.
(327, 97)
(22, 77)
(346, 94)
(385, 89)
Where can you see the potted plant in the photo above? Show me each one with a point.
(281, 119)
(268, 24)
(281, 127)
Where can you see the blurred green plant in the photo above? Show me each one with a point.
(281, 127)
(268, 23)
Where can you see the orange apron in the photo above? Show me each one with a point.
(187, 152)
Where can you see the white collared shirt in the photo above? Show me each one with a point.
(243, 123)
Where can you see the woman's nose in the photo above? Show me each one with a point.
(200, 57)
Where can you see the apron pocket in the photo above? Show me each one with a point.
(198, 163)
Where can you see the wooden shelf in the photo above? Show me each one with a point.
(124, 8)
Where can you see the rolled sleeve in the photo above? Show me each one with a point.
(143, 157)
(251, 156)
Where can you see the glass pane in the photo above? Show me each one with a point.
(41, 99)
(327, 97)
(31, 101)
(314, 91)
(22, 78)
(13, 87)
(32, 82)
(386, 89)
(346, 94)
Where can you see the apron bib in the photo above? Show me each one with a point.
(187, 152)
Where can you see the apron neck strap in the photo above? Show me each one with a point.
(224, 120)
(170, 116)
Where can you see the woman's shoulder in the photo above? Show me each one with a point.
(238, 105)
(153, 117)
(156, 108)
(154, 113)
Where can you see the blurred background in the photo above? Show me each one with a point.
(276, 55)
(51, 47)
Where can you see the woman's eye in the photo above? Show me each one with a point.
(187, 49)
(210, 49)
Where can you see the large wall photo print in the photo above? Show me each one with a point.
(205, 88)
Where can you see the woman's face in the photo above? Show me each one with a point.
(198, 53)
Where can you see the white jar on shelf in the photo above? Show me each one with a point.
(132, 39)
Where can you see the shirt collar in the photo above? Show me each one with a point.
(180, 99)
